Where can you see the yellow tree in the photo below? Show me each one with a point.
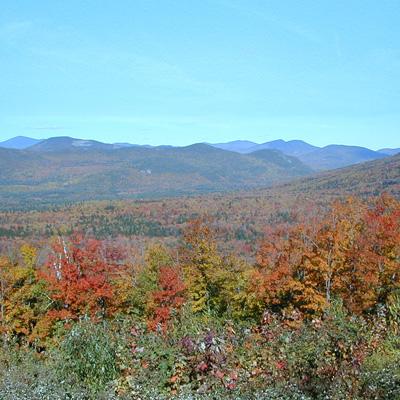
(201, 266)
(214, 283)
(26, 300)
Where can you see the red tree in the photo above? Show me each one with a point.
(79, 277)
(168, 298)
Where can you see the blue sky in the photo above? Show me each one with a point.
(179, 72)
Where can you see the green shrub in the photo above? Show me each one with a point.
(87, 356)
(381, 371)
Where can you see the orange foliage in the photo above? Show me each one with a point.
(79, 278)
(352, 253)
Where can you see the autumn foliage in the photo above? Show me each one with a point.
(79, 275)
(348, 252)
(168, 299)
(319, 297)
(352, 253)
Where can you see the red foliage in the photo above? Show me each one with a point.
(78, 274)
(169, 297)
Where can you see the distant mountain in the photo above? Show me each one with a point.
(317, 158)
(121, 145)
(66, 143)
(277, 157)
(389, 152)
(65, 170)
(338, 156)
(291, 148)
(19, 142)
(238, 146)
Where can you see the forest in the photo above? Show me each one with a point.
(257, 296)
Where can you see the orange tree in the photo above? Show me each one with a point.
(79, 276)
(351, 252)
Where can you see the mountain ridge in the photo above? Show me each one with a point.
(369, 178)
(316, 158)
(319, 158)
(90, 171)
(19, 142)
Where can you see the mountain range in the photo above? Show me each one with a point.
(317, 158)
(65, 169)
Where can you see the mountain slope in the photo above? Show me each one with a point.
(239, 146)
(338, 156)
(369, 178)
(59, 171)
(288, 162)
(19, 142)
(291, 147)
(389, 152)
(66, 143)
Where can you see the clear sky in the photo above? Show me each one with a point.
(179, 72)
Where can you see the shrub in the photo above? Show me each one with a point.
(87, 356)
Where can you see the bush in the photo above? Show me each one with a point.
(87, 357)
(25, 375)
(381, 371)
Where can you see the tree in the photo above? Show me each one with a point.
(203, 267)
(287, 275)
(383, 231)
(79, 276)
(24, 298)
(167, 299)
(352, 252)
(147, 280)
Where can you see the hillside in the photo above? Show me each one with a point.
(389, 152)
(292, 147)
(240, 216)
(366, 179)
(239, 146)
(19, 142)
(65, 169)
(338, 156)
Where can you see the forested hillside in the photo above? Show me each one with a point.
(58, 171)
(365, 179)
(63, 169)
(240, 216)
